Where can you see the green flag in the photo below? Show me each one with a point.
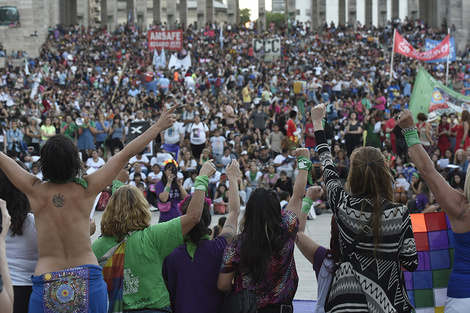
(434, 98)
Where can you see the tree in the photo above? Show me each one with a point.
(277, 18)
(245, 15)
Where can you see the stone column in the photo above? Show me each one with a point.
(231, 11)
(352, 13)
(183, 13)
(395, 9)
(261, 15)
(314, 13)
(130, 8)
(141, 13)
(210, 11)
(201, 13)
(113, 10)
(382, 12)
(104, 13)
(322, 11)
(171, 14)
(157, 10)
(368, 8)
(342, 12)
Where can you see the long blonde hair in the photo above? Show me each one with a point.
(370, 178)
(127, 211)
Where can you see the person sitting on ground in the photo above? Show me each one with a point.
(62, 208)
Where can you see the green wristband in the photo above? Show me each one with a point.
(412, 138)
(201, 183)
(304, 163)
(167, 189)
(306, 205)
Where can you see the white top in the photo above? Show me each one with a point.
(191, 166)
(284, 167)
(253, 183)
(160, 158)
(198, 133)
(188, 183)
(172, 135)
(142, 175)
(217, 145)
(93, 164)
(22, 253)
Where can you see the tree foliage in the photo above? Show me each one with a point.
(277, 18)
(245, 15)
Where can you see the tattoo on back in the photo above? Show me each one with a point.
(58, 200)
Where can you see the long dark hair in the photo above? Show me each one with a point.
(174, 183)
(260, 232)
(17, 203)
(59, 160)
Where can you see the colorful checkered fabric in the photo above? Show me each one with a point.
(113, 273)
(427, 285)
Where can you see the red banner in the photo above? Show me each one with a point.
(403, 47)
(168, 39)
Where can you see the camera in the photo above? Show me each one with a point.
(174, 170)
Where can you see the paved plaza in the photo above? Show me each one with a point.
(318, 230)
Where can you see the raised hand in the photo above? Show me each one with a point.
(208, 169)
(315, 192)
(405, 119)
(302, 152)
(6, 220)
(233, 170)
(168, 117)
(318, 112)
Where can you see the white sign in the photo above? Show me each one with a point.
(270, 48)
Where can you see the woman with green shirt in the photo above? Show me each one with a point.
(47, 130)
(127, 215)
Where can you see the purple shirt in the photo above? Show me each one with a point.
(193, 285)
(175, 198)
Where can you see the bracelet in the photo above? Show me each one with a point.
(462, 142)
(405, 130)
(201, 183)
(412, 137)
(304, 163)
(167, 189)
(306, 205)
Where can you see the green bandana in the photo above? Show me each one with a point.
(191, 246)
(116, 185)
(306, 205)
(304, 163)
(253, 176)
(77, 180)
(201, 183)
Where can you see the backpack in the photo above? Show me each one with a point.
(218, 82)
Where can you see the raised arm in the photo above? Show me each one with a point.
(451, 201)
(103, 177)
(307, 245)
(304, 166)
(193, 214)
(230, 227)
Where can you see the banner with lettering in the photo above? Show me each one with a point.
(402, 46)
(168, 39)
(431, 44)
(270, 48)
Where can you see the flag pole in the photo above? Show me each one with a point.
(448, 58)
(391, 63)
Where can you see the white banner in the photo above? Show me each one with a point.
(270, 48)
(177, 63)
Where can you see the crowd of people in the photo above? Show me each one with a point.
(244, 131)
